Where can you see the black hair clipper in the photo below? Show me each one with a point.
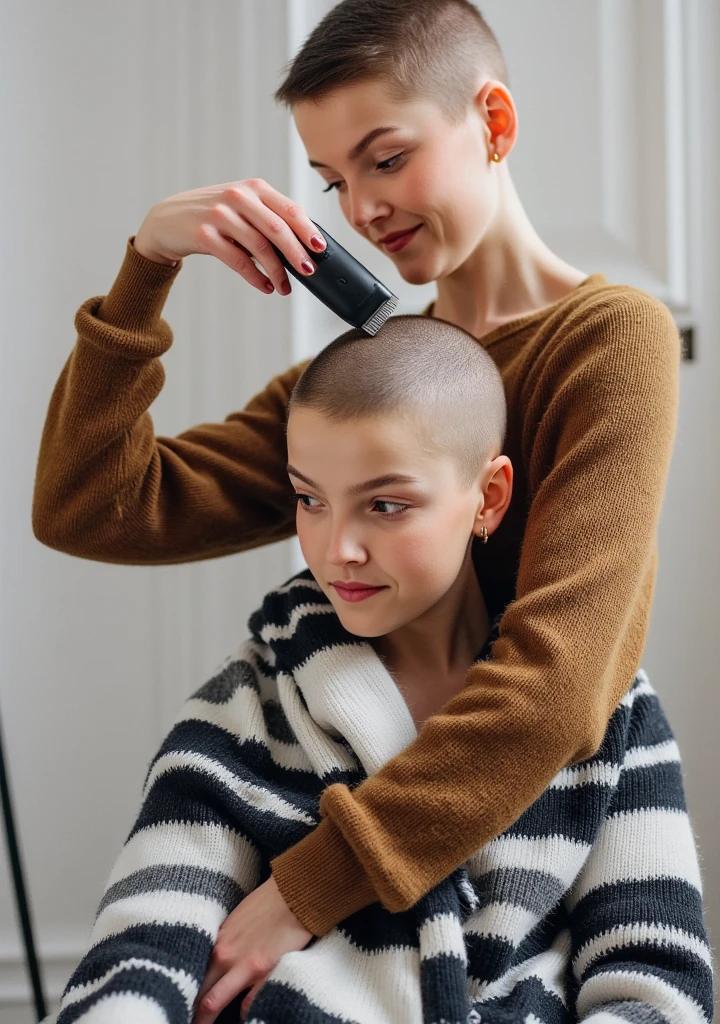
(345, 285)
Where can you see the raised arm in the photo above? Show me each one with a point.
(107, 488)
(600, 414)
(639, 946)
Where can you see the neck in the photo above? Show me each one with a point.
(510, 273)
(446, 639)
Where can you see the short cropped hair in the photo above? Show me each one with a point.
(432, 49)
(422, 367)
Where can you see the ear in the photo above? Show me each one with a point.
(497, 108)
(497, 493)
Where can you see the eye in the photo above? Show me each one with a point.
(384, 165)
(387, 165)
(400, 509)
(301, 499)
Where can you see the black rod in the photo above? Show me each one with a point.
(20, 891)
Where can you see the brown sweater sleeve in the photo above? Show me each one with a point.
(107, 488)
(600, 411)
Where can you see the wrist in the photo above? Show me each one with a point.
(140, 246)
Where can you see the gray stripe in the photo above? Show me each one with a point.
(536, 891)
(221, 687)
(635, 1013)
(177, 878)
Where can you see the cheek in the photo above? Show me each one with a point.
(308, 537)
(428, 555)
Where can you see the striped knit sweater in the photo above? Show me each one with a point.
(588, 908)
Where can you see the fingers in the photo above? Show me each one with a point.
(217, 998)
(247, 1001)
(237, 257)
(292, 222)
(258, 217)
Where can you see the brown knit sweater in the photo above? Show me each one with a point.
(592, 393)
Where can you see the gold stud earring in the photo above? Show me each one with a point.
(496, 157)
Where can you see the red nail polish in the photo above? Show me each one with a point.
(308, 266)
(268, 286)
(285, 288)
(317, 242)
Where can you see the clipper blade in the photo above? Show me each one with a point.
(373, 325)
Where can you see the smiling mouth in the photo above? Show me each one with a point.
(398, 240)
(355, 592)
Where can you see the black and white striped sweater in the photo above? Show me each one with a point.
(588, 908)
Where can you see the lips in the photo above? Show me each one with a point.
(397, 239)
(354, 591)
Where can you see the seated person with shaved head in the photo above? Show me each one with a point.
(587, 908)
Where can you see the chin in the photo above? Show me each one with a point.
(416, 274)
(354, 624)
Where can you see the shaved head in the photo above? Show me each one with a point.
(432, 372)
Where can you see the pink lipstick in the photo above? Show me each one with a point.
(355, 591)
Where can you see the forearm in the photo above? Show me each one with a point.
(107, 488)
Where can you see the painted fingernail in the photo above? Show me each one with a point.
(308, 266)
(317, 242)
(284, 288)
(268, 286)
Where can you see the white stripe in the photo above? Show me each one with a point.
(553, 855)
(322, 750)
(350, 692)
(643, 689)
(442, 934)
(503, 921)
(160, 906)
(599, 773)
(287, 588)
(272, 632)
(639, 845)
(191, 845)
(644, 757)
(638, 933)
(244, 719)
(364, 987)
(549, 967)
(130, 1007)
(645, 988)
(257, 796)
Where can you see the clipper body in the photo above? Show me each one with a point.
(345, 286)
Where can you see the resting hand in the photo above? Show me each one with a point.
(250, 942)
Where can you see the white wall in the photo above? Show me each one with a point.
(107, 108)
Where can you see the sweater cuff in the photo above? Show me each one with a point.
(136, 299)
(321, 879)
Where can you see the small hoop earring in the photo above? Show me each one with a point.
(484, 534)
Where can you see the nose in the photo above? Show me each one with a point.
(345, 545)
(364, 208)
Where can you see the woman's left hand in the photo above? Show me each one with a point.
(250, 942)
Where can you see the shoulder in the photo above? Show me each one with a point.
(605, 339)
(605, 315)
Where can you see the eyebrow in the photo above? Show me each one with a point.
(362, 145)
(368, 485)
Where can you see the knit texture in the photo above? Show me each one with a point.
(592, 390)
(588, 908)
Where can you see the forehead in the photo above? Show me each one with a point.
(336, 122)
(326, 449)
